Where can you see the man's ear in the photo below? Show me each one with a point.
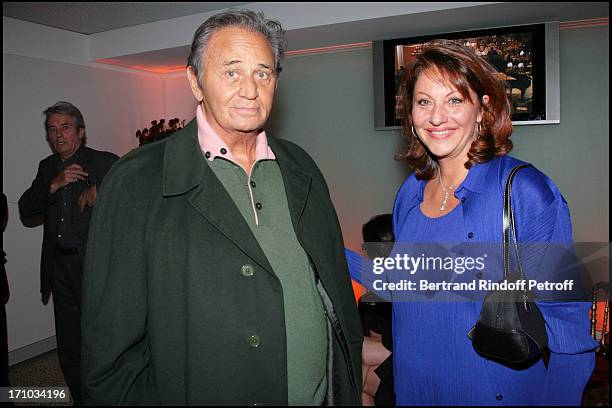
(193, 83)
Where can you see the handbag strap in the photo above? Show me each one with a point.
(508, 223)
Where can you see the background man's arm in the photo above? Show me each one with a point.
(38, 197)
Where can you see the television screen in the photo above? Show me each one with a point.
(518, 54)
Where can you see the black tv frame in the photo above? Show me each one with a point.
(545, 66)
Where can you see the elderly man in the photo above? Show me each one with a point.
(64, 192)
(216, 272)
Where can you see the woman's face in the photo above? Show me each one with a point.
(444, 120)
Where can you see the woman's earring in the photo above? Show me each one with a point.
(478, 130)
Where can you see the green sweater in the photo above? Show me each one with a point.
(304, 314)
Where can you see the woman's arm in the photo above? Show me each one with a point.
(545, 232)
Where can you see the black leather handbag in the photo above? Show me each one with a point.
(511, 329)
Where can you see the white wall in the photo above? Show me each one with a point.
(38, 41)
(178, 99)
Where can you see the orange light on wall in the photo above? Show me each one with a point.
(332, 48)
(156, 69)
(159, 69)
(593, 22)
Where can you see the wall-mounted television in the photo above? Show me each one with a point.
(526, 58)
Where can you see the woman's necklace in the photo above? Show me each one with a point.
(446, 191)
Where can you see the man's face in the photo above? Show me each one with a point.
(63, 135)
(238, 81)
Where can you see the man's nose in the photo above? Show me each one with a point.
(248, 88)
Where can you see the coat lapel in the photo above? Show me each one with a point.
(186, 171)
(297, 182)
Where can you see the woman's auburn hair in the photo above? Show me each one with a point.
(463, 69)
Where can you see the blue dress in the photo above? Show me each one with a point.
(434, 361)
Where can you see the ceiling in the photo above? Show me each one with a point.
(97, 17)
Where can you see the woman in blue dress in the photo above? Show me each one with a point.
(457, 124)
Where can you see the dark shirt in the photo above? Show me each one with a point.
(375, 315)
(73, 223)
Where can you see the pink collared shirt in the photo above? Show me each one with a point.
(213, 146)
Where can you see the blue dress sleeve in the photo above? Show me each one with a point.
(361, 270)
(355, 263)
(543, 222)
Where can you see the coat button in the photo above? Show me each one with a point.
(463, 199)
(499, 397)
(207, 155)
(254, 341)
(247, 270)
(470, 235)
(223, 150)
(258, 206)
(253, 184)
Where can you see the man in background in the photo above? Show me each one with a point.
(64, 192)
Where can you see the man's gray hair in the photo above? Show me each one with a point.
(65, 108)
(247, 19)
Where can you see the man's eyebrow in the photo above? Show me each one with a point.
(234, 62)
(61, 124)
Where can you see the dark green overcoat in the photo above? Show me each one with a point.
(168, 315)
